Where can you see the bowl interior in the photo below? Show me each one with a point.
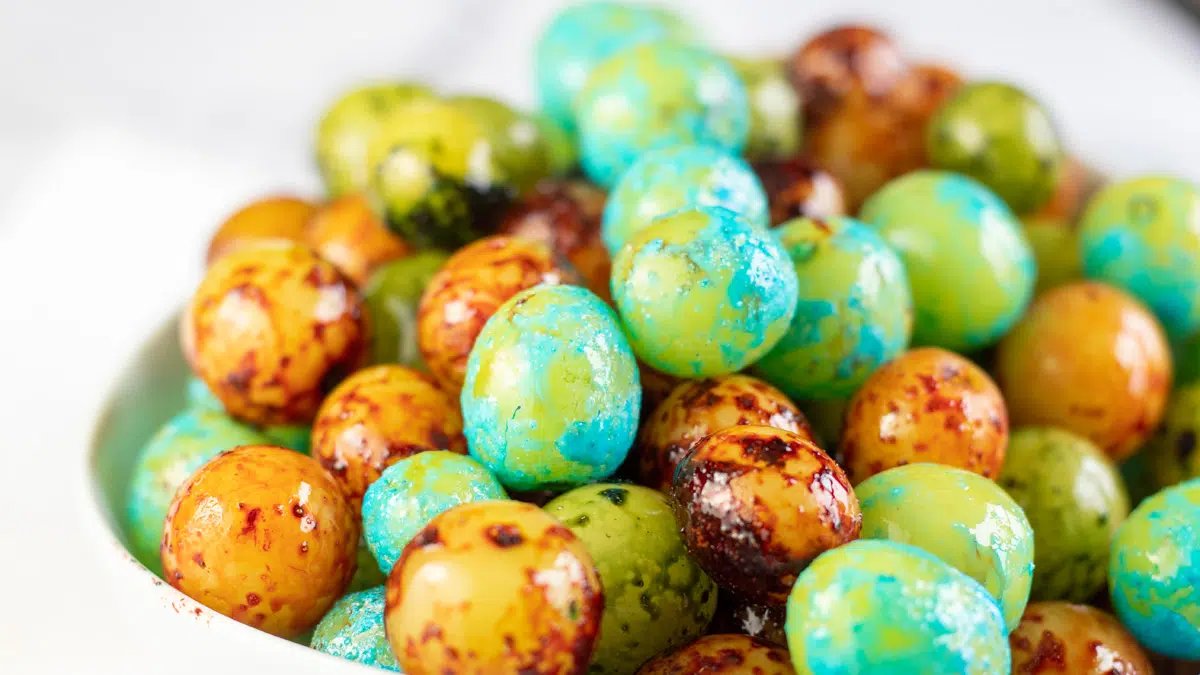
(149, 392)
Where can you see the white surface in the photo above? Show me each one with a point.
(129, 128)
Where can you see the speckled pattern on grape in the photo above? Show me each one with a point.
(696, 408)
(722, 655)
(494, 587)
(412, 491)
(657, 95)
(565, 215)
(854, 314)
(1143, 235)
(1074, 499)
(865, 110)
(1059, 637)
(844, 62)
(469, 288)
(962, 518)
(949, 227)
(379, 416)
(655, 596)
(272, 330)
(585, 34)
(756, 504)
(703, 292)
(240, 526)
(928, 405)
(664, 180)
(552, 395)
(1154, 572)
(173, 454)
(874, 602)
(353, 630)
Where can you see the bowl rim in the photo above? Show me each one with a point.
(136, 578)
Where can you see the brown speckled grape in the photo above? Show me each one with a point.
(271, 330)
(1059, 637)
(494, 587)
(864, 144)
(929, 405)
(243, 526)
(1087, 358)
(858, 124)
(273, 221)
(696, 408)
(847, 62)
(377, 417)
(347, 233)
(1074, 499)
(469, 288)
(757, 504)
(797, 188)
(565, 215)
(722, 655)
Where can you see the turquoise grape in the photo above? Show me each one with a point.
(667, 179)
(552, 393)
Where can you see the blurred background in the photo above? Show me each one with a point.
(130, 128)
(242, 83)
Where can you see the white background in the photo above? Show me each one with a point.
(128, 128)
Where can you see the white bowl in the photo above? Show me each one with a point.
(149, 391)
(196, 148)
